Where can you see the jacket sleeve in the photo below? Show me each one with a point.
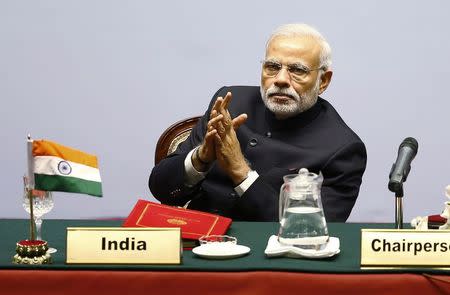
(166, 180)
(342, 179)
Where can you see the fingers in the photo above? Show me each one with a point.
(216, 107)
(209, 137)
(214, 126)
(226, 100)
(219, 109)
(220, 118)
(224, 106)
(239, 120)
(221, 104)
(213, 114)
(207, 147)
(223, 109)
(218, 140)
(221, 128)
(214, 121)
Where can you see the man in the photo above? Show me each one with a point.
(235, 158)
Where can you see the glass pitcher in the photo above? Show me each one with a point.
(302, 222)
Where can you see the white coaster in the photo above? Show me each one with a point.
(274, 249)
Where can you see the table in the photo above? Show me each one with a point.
(252, 274)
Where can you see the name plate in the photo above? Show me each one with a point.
(113, 245)
(405, 247)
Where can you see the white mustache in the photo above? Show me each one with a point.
(273, 90)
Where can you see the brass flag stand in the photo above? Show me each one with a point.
(31, 251)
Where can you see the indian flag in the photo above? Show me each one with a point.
(60, 168)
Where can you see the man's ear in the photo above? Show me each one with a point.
(325, 80)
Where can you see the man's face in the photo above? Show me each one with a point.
(285, 93)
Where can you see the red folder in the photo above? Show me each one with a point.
(193, 224)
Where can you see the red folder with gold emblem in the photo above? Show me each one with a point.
(193, 224)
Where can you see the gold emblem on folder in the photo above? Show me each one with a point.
(176, 221)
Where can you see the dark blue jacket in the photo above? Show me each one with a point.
(317, 139)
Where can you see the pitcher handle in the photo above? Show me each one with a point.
(281, 202)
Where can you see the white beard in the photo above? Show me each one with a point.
(297, 103)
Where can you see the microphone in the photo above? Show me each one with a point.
(400, 170)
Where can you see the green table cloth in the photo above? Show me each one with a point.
(252, 234)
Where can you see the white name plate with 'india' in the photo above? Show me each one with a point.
(402, 247)
(112, 245)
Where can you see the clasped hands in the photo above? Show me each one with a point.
(221, 143)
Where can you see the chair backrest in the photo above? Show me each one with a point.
(173, 136)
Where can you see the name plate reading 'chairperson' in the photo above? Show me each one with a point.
(402, 247)
(113, 245)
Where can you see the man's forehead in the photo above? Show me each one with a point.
(294, 48)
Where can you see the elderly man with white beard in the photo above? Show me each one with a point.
(234, 160)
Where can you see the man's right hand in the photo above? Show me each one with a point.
(206, 151)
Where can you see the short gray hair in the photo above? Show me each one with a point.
(304, 30)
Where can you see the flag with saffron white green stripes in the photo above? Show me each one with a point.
(60, 168)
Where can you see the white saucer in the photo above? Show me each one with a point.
(218, 251)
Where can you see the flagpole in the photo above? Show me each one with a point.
(29, 183)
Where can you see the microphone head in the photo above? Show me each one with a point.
(402, 166)
(411, 143)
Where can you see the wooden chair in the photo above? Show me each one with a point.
(173, 136)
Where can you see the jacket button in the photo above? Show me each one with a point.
(253, 142)
(233, 195)
(268, 134)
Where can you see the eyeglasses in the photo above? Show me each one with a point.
(297, 71)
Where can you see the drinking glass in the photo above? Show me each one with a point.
(42, 204)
